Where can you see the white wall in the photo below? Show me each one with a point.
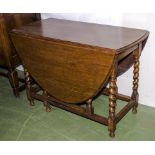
(147, 71)
(106, 18)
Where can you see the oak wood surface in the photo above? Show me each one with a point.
(69, 73)
(91, 34)
(9, 58)
(73, 60)
(9, 21)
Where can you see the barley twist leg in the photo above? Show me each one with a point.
(112, 104)
(135, 94)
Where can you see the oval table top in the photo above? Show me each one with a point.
(73, 60)
(98, 35)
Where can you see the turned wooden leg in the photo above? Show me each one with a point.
(13, 78)
(28, 86)
(89, 107)
(112, 104)
(46, 104)
(135, 94)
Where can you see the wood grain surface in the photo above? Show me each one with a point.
(69, 73)
(73, 60)
(99, 35)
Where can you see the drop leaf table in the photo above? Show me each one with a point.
(74, 62)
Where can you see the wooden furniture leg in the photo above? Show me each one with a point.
(13, 78)
(89, 107)
(112, 104)
(46, 104)
(135, 95)
(28, 87)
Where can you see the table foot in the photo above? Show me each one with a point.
(134, 110)
(46, 104)
(13, 78)
(112, 134)
(89, 107)
(28, 87)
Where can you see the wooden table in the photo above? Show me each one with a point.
(72, 62)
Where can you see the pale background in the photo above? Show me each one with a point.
(135, 20)
(112, 6)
